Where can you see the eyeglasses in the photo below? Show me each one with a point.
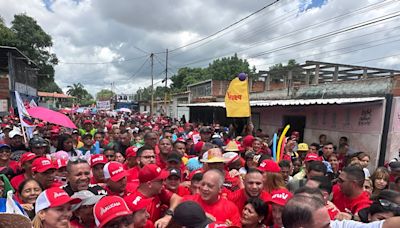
(110, 156)
(148, 157)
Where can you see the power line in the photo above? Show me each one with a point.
(225, 28)
(295, 32)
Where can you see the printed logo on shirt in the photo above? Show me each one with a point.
(136, 200)
(280, 196)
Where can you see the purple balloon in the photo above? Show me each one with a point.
(242, 76)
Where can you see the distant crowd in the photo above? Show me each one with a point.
(137, 170)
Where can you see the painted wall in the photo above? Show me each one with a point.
(393, 146)
(361, 123)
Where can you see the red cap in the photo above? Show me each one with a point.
(269, 166)
(87, 121)
(131, 151)
(312, 157)
(42, 164)
(248, 141)
(281, 196)
(59, 163)
(98, 159)
(198, 146)
(152, 172)
(194, 172)
(137, 203)
(53, 197)
(114, 171)
(27, 157)
(109, 208)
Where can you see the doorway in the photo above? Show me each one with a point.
(297, 123)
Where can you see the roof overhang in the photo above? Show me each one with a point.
(293, 102)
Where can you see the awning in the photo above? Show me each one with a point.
(294, 102)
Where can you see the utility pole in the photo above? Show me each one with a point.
(166, 83)
(152, 85)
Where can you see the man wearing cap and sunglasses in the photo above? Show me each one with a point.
(151, 178)
(116, 180)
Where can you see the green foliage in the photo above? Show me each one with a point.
(278, 71)
(144, 94)
(104, 94)
(220, 69)
(26, 35)
(80, 93)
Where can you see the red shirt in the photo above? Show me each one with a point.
(239, 198)
(342, 202)
(17, 180)
(133, 175)
(13, 165)
(154, 208)
(231, 183)
(129, 189)
(223, 210)
(160, 163)
(182, 191)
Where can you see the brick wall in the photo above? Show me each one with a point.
(4, 90)
(258, 86)
(219, 88)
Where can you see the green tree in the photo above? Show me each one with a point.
(220, 69)
(279, 71)
(82, 95)
(104, 94)
(26, 35)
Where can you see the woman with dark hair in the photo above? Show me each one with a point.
(384, 206)
(65, 144)
(254, 213)
(28, 191)
(334, 161)
(380, 180)
(249, 162)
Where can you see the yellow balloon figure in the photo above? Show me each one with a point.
(283, 135)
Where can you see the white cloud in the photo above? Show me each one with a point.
(104, 31)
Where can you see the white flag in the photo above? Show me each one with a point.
(32, 104)
(24, 117)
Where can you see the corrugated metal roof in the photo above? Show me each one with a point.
(294, 102)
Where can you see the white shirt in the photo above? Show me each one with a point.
(355, 224)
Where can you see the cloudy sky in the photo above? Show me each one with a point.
(99, 42)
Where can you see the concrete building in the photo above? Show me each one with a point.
(17, 73)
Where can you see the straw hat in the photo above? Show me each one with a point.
(14, 221)
(213, 155)
(232, 146)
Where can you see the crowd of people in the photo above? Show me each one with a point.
(136, 170)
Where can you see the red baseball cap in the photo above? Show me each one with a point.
(109, 208)
(60, 162)
(53, 197)
(98, 159)
(269, 166)
(137, 203)
(152, 172)
(87, 121)
(114, 171)
(281, 196)
(312, 157)
(131, 151)
(42, 164)
(27, 157)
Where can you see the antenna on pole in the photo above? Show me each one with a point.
(152, 85)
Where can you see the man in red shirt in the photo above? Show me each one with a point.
(130, 157)
(44, 172)
(151, 178)
(253, 187)
(165, 146)
(26, 164)
(209, 199)
(97, 162)
(348, 194)
(144, 155)
(115, 179)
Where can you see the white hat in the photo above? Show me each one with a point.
(14, 132)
